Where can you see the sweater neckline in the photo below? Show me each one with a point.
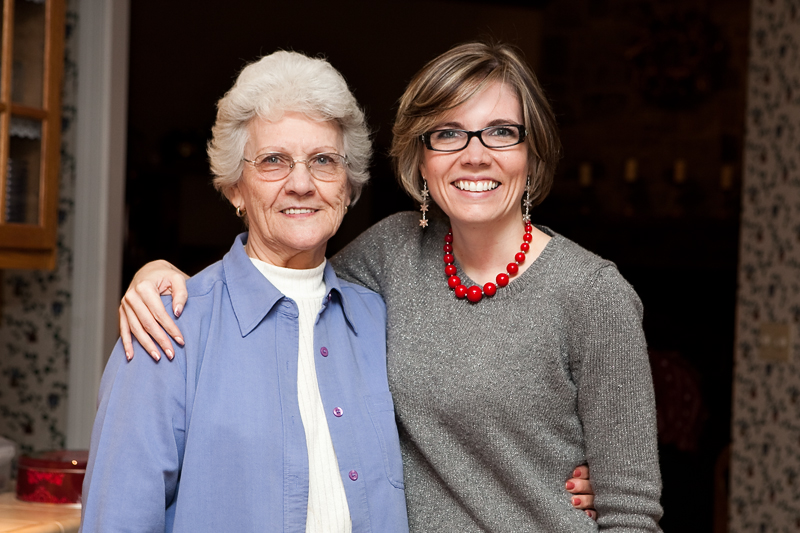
(523, 281)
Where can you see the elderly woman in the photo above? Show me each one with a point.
(514, 354)
(276, 416)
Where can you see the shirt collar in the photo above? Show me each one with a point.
(332, 286)
(253, 296)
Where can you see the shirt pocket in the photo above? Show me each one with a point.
(381, 411)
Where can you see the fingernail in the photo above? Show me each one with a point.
(577, 473)
(170, 355)
(154, 355)
(576, 501)
(570, 485)
(128, 356)
(179, 340)
(178, 310)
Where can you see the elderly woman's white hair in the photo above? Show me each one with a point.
(287, 82)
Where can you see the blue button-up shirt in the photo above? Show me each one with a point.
(213, 441)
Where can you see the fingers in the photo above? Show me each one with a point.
(581, 472)
(142, 312)
(125, 333)
(584, 501)
(579, 486)
(146, 301)
(139, 332)
(179, 297)
(148, 313)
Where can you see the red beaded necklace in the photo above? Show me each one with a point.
(474, 293)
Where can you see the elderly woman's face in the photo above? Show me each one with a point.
(291, 219)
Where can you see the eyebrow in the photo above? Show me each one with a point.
(315, 151)
(459, 126)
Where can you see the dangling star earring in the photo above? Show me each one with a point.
(526, 218)
(423, 222)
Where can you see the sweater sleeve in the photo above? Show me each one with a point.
(616, 404)
(137, 445)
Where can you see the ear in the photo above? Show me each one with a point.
(234, 196)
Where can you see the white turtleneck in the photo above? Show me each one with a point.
(327, 504)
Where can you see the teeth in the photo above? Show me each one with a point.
(292, 211)
(477, 186)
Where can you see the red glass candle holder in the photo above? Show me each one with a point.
(51, 477)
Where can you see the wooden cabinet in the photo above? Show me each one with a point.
(31, 60)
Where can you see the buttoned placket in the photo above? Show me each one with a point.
(296, 464)
(328, 370)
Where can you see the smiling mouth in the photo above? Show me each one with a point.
(476, 186)
(295, 211)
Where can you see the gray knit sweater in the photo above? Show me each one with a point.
(498, 402)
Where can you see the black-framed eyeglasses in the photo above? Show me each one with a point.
(450, 140)
(275, 166)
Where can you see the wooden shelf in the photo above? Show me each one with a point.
(31, 62)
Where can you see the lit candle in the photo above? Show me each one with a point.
(585, 174)
(631, 170)
(726, 177)
(679, 171)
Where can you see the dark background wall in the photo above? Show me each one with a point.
(636, 85)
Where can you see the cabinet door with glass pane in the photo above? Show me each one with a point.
(30, 112)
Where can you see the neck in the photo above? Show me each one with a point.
(483, 250)
(297, 259)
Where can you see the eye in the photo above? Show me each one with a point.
(446, 135)
(323, 160)
(270, 159)
(502, 131)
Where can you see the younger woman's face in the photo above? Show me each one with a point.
(479, 185)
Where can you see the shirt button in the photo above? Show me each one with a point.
(353, 475)
(323, 351)
(337, 411)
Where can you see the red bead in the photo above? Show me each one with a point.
(453, 282)
(474, 294)
(519, 258)
(512, 268)
(489, 289)
(450, 270)
(449, 258)
(448, 248)
(502, 279)
(527, 237)
(448, 238)
(525, 247)
(461, 291)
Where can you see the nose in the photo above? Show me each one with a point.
(300, 181)
(475, 153)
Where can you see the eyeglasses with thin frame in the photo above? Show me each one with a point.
(452, 140)
(275, 166)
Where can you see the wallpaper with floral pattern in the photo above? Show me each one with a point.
(35, 310)
(765, 459)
